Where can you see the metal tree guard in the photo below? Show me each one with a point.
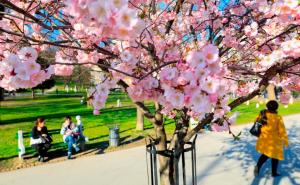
(188, 147)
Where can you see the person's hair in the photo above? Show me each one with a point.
(272, 106)
(39, 120)
(68, 117)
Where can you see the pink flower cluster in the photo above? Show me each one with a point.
(107, 19)
(285, 97)
(226, 124)
(100, 94)
(251, 30)
(287, 10)
(21, 70)
(64, 66)
(195, 83)
(291, 48)
(246, 88)
(88, 59)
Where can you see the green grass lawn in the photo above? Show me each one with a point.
(249, 113)
(20, 114)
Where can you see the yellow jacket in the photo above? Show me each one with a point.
(273, 137)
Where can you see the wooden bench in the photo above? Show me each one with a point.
(21, 146)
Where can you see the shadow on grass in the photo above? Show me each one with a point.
(59, 150)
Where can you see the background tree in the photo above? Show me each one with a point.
(48, 84)
(1, 94)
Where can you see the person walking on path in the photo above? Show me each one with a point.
(69, 136)
(272, 139)
(40, 139)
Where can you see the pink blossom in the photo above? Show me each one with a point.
(200, 103)
(32, 67)
(177, 100)
(63, 70)
(168, 74)
(210, 85)
(285, 97)
(213, 98)
(28, 54)
(21, 72)
(196, 59)
(219, 128)
(251, 30)
(126, 17)
(100, 10)
(102, 88)
(211, 53)
(96, 112)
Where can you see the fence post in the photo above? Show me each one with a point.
(119, 104)
(21, 147)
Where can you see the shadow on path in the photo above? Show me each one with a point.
(243, 153)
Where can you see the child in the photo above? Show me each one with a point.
(79, 129)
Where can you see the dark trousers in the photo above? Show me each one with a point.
(263, 158)
(41, 149)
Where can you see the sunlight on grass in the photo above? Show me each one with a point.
(20, 114)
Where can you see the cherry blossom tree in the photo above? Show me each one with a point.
(186, 56)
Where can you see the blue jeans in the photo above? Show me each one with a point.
(70, 140)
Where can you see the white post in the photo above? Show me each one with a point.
(75, 89)
(67, 88)
(21, 147)
(119, 104)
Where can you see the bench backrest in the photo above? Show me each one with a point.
(51, 132)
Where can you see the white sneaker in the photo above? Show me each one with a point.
(76, 147)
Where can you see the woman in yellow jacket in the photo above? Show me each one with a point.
(272, 139)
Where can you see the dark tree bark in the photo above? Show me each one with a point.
(1, 94)
(32, 93)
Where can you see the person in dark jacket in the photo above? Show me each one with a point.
(40, 138)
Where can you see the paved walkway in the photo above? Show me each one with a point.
(220, 161)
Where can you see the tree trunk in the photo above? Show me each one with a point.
(139, 119)
(32, 93)
(1, 94)
(43, 91)
(165, 164)
(271, 92)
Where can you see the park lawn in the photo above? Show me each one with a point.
(20, 114)
(248, 113)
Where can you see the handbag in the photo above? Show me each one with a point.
(35, 141)
(256, 128)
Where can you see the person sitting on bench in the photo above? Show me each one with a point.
(69, 135)
(40, 139)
